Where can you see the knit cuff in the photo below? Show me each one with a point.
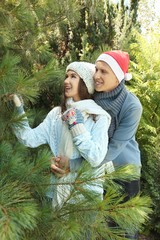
(77, 129)
(20, 109)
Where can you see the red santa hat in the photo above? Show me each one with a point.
(118, 62)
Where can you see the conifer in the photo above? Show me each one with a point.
(30, 34)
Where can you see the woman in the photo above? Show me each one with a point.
(71, 129)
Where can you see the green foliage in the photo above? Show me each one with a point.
(37, 40)
(27, 27)
(18, 211)
(146, 86)
(80, 216)
(100, 22)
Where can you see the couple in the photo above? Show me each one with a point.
(100, 130)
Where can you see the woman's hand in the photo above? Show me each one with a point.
(72, 117)
(15, 102)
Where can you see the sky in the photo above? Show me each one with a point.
(156, 9)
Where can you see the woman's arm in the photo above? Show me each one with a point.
(33, 137)
(93, 145)
(36, 136)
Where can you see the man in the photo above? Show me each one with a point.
(125, 110)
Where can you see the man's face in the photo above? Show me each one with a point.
(104, 77)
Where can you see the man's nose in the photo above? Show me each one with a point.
(96, 75)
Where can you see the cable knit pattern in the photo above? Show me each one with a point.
(112, 102)
(90, 145)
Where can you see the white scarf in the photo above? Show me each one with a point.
(86, 107)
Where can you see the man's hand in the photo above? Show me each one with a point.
(62, 162)
(60, 165)
(58, 171)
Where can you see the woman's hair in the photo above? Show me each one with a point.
(83, 94)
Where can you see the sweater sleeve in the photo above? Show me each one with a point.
(125, 132)
(36, 136)
(93, 145)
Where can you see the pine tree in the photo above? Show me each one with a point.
(100, 22)
(30, 66)
(145, 55)
(134, 8)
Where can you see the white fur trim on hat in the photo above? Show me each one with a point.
(113, 65)
(86, 71)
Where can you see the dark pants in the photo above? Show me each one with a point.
(131, 189)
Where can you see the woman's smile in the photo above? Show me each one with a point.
(71, 84)
(67, 88)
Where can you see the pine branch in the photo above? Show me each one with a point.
(57, 20)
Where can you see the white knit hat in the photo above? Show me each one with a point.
(86, 71)
(118, 62)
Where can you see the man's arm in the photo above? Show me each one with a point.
(125, 132)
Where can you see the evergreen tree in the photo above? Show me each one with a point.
(101, 22)
(31, 33)
(145, 68)
(134, 9)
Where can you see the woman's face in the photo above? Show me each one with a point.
(71, 84)
(104, 77)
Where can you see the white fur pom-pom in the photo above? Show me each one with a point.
(128, 76)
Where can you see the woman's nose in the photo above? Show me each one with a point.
(66, 80)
